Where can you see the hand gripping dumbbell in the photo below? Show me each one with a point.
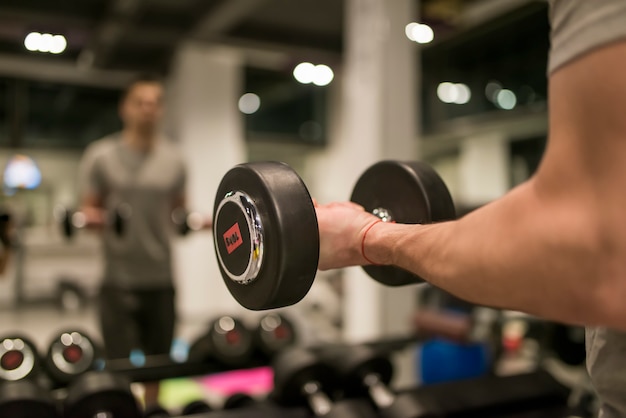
(302, 378)
(364, 371)
(266, 233)
(70, 221)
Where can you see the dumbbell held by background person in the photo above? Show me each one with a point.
(115, 219)
(186, 221)
(266, 229)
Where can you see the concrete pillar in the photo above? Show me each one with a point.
(373, 118)
(203, 117)
(484, 168)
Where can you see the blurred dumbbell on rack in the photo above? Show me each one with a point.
(303, 379)
(26, 399)
(274, 333)
(70, 354)
(365, 372)
(19, 358)
(227, 341)
(21, 392)
(100, 394)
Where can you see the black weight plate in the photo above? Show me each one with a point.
(25, 399)
(414, 194)
(196, 407)
(354, 363)
(226, 341)
(70, 354)
(19, 358)
(100, 392)
(290, 235)
(293, 368)
(238, 400)
(274, 333)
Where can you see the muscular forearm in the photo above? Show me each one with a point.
(542, 255)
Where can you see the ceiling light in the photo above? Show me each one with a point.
(422, 34)
(249, 103)
(323, 75)
(304, 72)
(45, 42)
(506, 99)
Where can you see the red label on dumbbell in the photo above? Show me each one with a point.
(232, 238)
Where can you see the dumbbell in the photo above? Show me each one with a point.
(364, 371)
(156, 411)
(70, 354)
(302, 378)
(238, 400)
(25, 399)
(227, 341)
(196, 407)
(186, 222)
(5, 227)
(266, 234)
(70, 220)
(100, 394)
(19, 358)
(274, 333)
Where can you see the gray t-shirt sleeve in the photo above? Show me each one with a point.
(579, 26)
(90, 176)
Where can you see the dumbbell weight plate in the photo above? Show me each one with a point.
(95, 393)
(293, 368)
(69, 355)
(227, 341)
(238, 400)
(266, 235)
(25, 399)
(18, 358)
(411, 193)
(274, 333)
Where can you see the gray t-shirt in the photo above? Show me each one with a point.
(149, 183)
(578, 27)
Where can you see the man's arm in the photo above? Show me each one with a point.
(91, 189)
(556, 245)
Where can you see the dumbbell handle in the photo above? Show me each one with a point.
(379, 392)
(318, 401)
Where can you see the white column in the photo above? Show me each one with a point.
(203, 116)
(373, 117)
(484, 168)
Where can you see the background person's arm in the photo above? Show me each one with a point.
(91, 185)
(554, 246)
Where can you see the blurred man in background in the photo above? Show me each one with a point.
(136, 170)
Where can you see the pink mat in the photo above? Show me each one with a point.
(257, 381)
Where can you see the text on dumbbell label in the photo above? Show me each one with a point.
(232, 238)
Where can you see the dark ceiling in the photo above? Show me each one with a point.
(141, 35)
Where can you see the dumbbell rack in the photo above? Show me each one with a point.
(535, 395)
